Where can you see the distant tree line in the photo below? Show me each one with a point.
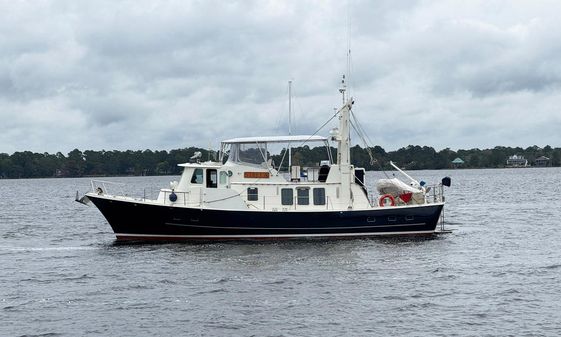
(95, 163)
(414, 157)
(118, 163)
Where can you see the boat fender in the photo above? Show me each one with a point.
(382, 201)
(99, 190)
(173, 197)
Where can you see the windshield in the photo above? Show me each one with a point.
(254, 154)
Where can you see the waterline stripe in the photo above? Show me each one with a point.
(257, 236)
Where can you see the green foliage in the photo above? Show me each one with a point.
(118, 163)
(94, 163)
(414, 157)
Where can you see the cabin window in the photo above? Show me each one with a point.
(197, 177)
(319, 196)
(211, 178)
(252, 194)
(287, 196)
(303, 195)
(223, 177)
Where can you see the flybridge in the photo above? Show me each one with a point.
(254, 150)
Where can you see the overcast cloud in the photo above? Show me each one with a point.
(164, 75)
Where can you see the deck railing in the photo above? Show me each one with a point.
(266, 202)
(107, 187)
(436, 194)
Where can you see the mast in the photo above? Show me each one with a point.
(344, 147)
(343, 153)
(289, 124)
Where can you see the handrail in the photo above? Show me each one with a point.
(186, 199)
(95, 184)
(108, 182)
(436, 193)
(432, 194)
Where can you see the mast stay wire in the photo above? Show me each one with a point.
(319, 129)
(281, 116)
(289, 88)
(313, 134)
(357, 126)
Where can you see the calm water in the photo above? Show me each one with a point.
(497, 274)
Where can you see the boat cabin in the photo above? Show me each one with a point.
(246, 177)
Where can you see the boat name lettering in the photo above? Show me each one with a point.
(256, 175)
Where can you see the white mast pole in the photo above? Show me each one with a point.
(289, 124)
(343, 151)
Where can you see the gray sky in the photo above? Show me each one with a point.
(164, 75)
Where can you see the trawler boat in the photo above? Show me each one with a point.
(243, 196)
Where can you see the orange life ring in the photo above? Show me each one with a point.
(383, 198)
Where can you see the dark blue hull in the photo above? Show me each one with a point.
(140, 221)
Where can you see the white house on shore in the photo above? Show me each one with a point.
(516, 161)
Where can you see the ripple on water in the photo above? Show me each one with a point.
(496, 274)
